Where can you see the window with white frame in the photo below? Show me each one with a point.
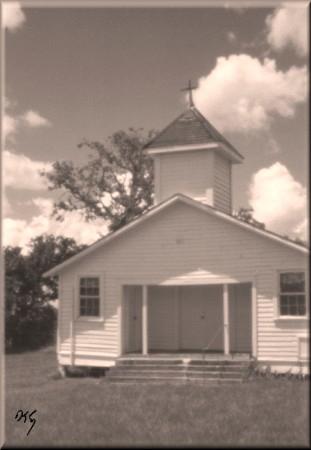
(292, 294)
(89, 296)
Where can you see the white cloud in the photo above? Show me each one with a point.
(302, 229)
(12, 231)
(13, 16)
(19, 232)
(9, 125)
(288, 27)
(242, 93)
(34, 119)
(21, 172)
(279, 201)
(6, 206)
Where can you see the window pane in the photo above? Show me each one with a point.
(82, 307)
(293, 310)
(95, 307)
(292, 305)
(83, 290)
(285, 299)
(301, 299)
(293, 300)
(89, 306)
(89, 296)
(302, 310)
(89, 286)
(292, 282)
(92, 282)
(93, 291)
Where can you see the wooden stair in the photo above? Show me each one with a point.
(178, 370)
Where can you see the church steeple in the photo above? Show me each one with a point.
(191, 157)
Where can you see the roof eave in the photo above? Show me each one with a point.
(234, 156)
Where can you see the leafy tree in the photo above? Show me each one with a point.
(29, 317)
(246, 215)
(47, 251)
(116, 183)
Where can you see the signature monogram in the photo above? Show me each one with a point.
(27, 416)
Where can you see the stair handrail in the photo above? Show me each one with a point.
(205, 349)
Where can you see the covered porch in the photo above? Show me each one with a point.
(188, 320)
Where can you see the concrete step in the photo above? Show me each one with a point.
(150, 373)
(180, 362)
(200, 362)
(217, 368)
(141, 379)
(177, 363)
(217, 381)
(147, 361)
(173, 374)
(177, 370)
(153, 364)
(204, 374)
(144, 367)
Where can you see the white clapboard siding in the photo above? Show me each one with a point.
(222, 183)
(178, 241)
(172, 173)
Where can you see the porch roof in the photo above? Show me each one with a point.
(198, 277)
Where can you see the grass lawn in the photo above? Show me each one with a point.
(91, 411)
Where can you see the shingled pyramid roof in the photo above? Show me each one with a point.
(190, 128)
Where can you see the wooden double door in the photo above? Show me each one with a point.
(185, 318)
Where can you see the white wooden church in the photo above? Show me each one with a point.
(187, 276)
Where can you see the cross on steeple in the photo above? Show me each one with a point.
(190, 88)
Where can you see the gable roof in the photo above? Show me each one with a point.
(189, 128)
(160, 207)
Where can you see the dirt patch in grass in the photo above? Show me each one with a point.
(93, 412)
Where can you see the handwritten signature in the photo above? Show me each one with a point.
(27, 416)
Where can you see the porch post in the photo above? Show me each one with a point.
(254, 320)
(145, 320)
(226, 319)
(72, 329)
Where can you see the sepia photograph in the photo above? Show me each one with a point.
(154, 224)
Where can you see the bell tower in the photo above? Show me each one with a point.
(191, 157)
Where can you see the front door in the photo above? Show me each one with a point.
(201, 317)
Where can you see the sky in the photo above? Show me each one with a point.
(74, 73)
